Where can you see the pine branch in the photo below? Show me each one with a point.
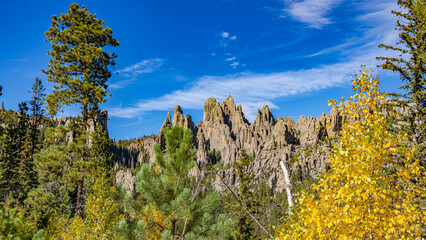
(243, 205)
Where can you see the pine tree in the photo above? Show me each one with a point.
(37, 112)
(79, 64)
(80, 68)
(10, 224)
(14, 225)
(411, 66)
(171, 194)
(56, 180)
(25, 174)
(17, 168)
(356, 199)
(244, 226)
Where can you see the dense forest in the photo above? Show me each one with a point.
(57, 180)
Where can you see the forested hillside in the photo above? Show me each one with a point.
(355, 173)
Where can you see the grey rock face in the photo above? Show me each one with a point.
(101, 120)
(126, 179)
(225, 129)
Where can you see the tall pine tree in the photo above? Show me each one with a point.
(411, 66)
(175, 207)
(79, 67)
(18, 176)
(245, 226)
(37, 113)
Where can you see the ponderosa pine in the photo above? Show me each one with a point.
(80, 68)
(174, 207)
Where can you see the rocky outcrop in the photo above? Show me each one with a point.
(126, 179)
(224, 132)
(100, 120)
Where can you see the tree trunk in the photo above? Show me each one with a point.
(173, 229)
(287, 187)
(79, 197)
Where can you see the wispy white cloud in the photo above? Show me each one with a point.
(225, 38)
(345, 45)
(121, 84)
(312, 12)
(253, 90)
(234, 65)
(380, 20)
(379, 28)
(130, 73)
(145, 66)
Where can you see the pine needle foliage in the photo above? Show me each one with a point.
(17, 174)
(245, 226)
(410, 64)
(80, 68)
(37, 112)
(171, 193)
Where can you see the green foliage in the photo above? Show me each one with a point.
(44, 203)
(37, 112)
(271, 207)
(134, 230)
(411, 66)
(214, 156)
(63, 167)
(308, 153)
(10, 225)
(101, 153)
(80, 69)
(79, 65)
(176, 207)
(14, 225)
(294, 159)
(355, 198)
(244, 226)
(17, 175)
(100, 216)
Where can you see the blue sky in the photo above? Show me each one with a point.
(292, 55)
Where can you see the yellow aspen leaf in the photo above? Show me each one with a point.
(357, 198)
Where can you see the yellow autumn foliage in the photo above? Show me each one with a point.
(100, 216)
(154, 220)
(356, 198)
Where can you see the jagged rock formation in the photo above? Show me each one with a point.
(225, 130)
(101, 120)
(126, 179)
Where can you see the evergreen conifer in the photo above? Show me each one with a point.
(180, 210)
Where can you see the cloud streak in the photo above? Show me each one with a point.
(253, 90)
(130, 73)
(312, 12)
(145, 66)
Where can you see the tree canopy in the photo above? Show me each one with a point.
(358, 198)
